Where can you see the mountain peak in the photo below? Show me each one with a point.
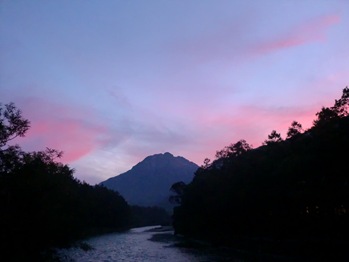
(148, 182)
(160, 155)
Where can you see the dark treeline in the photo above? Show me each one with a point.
(297, 188)
(42, 205)
(148, 216)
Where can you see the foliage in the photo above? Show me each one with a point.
(294, 130)
(42, 204)
(294, 188)
(12, 124)
(149, 216)
(233, 150)
(274, 137)
(178, 189)
(338, 110)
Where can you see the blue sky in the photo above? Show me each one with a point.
(111, 82)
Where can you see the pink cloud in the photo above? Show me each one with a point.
(312, 31)
(70, 136)
(252, 123)
(64, 128)
(232, 44)
(216, 129)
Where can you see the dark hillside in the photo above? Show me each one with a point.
(42, 205)
(296, 188)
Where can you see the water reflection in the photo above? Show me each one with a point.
(139, 244)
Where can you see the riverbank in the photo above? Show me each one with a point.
(268, 249)
(265, 249)
(146, 244)
(160, 242)
(161, 229)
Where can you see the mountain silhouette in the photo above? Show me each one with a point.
(148, 183)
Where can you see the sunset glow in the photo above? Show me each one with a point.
(109, 84)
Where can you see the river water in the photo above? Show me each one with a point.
(159, 244)
(147, 244)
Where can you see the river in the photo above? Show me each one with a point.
(147, 244)
(157, 244)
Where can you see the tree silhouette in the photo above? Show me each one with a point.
(236, 149)
(339, 109)
(341, 106)
(294, 189)
(294, 130)
(42, 204)
(207, 163)
(12, 124)
(274, 137)
(325, 115)
(177, 188)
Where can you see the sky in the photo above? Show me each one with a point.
(110, 82)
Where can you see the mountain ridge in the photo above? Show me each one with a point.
(148, 182)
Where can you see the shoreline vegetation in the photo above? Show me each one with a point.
(44, 206)
(282, 249)
(268, 249)
(288, 196)
(262, 248)
(245, 248)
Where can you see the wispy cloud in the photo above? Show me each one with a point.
(70, 129)
(233, 43)
(311, 31)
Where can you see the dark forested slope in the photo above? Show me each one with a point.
(42, 205)
(293, 188)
